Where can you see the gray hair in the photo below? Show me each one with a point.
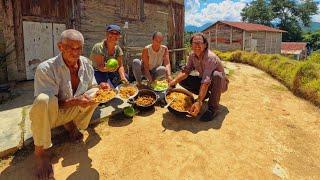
(155, 34)
(72, 34)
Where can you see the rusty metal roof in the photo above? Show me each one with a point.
(249, 26)
(292, 46)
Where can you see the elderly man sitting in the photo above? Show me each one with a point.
(60, 84)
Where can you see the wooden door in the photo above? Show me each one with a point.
(37, 45)
(57, 29)
(40, 43)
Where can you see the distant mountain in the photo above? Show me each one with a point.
(313, 27)
(196, 29)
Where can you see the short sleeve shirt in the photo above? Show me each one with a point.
(53, 78)
(210, 63)
(101, 49)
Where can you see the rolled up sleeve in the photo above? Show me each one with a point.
(44, 83)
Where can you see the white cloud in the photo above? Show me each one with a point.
(225, 10)
(316, 18)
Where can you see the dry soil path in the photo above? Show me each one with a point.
(263, 131)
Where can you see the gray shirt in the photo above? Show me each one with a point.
(53, 78)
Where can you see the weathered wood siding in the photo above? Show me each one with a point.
(273, 43)
(222, 39)
(46, 8)
(155, 16)
(90, 17)
(3, 66)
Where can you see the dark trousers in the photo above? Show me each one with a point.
(193, 83)
(113, 78)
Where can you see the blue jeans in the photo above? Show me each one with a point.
(113, 78)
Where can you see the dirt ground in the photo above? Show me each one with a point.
(262, 132)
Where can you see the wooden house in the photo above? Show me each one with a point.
(30, 29)
(231, 36)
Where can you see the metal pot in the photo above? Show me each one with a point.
(174, 111)
(144, 92)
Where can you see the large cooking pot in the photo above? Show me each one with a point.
(144, 92)
(174, 111)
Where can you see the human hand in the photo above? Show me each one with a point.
(124, 81)
(169, 79)
(195, 108)
(104, 85)
(111, 69)
(84, 101)
(103, 68)
(172, 83)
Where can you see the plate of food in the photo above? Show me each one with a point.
(127, 91)
(159, 85)
(104, 95)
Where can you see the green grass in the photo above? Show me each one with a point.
(301, 77)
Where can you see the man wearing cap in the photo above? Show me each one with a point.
(155, 61)
(105, 50)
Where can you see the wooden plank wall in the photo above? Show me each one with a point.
(273, 42)
(9, 36)
(267, 42)
(96, 14)
(46, 8)
(3, 66)
(261, 39)
(228, 39)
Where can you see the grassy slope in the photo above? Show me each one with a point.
(302, 77)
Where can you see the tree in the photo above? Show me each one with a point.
(288, 15)
(313, 38)
(258, 12)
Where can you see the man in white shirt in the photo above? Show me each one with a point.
(59, 87)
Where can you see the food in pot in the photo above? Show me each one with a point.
(144, 100)
(182, 102)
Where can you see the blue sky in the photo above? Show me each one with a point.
(199, 12)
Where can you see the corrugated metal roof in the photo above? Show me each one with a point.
(293, 46)
(248, 26)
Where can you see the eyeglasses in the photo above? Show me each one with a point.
(197, 43)
(69, 48)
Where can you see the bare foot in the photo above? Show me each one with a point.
(74, 133)
(44, 169)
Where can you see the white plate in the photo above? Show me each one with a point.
(123, 85)
(92, 93)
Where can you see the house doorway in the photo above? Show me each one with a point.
(40, 43)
